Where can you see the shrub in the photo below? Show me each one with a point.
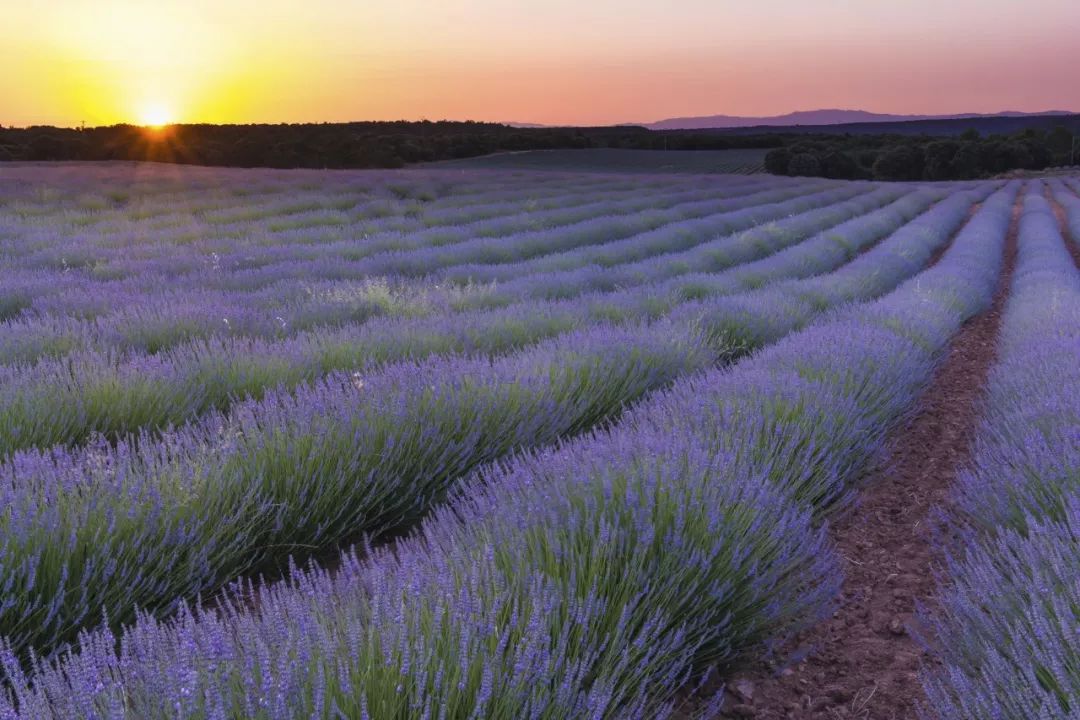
(804, 164)
(777, 161)
(839, 166)
(939, 160)
(967, 162)
(903, 162)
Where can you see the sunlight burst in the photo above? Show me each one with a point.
(155, 115)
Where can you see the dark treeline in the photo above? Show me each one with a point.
(336, 145)
(395, 144)
(900, 157)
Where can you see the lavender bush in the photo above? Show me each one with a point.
(356, 453)
(593, 578)
(68, 400)
(1006, 630)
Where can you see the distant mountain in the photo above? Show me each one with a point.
(1005, 124)
(820, 117)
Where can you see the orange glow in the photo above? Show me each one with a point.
(119, 61)
(606, 61)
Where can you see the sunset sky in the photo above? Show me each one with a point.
(556, 61)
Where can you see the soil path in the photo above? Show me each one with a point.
(1063, 224)
(862, 663)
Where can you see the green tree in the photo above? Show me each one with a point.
(777, 161)
(967, 163)
(902, 162)
(939, 160)
(839, 166)
(804, 164)
(1059, 142)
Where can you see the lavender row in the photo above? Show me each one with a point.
(431, 259)
(382, 223)
(589, 580)
(85, 261)
(868, 275)
(126, 212)
(132, 240)
(598, 229)
(160, 320)
(115, 207)
(713, 259)
(66, 401)
(144, 184)
(1069, 201)
(279, 238)
(121, 211)
(1006, 630)
(425, 209)
(62, 294)
(151, 324)
(354, 453)
(676, 237)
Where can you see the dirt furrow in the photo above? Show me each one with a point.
(1063, 224)
(863, 662)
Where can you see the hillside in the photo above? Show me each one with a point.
(830, 117)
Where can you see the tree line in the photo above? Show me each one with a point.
(336, 145)
(400, 143)
(898, 157)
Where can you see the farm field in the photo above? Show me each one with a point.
(530, 440)
(735, 162)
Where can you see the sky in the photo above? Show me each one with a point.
(63, 62)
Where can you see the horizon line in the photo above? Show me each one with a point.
(526, 125)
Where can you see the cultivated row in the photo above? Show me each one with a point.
(66, 400)
(1007, 629)
(356, 453)
(592, 579)
(292, 295)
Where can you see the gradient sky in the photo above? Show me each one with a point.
(552, 61)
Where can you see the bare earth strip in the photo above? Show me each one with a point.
(1063, 225)
(862, 662)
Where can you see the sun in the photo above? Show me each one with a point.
(155, 115)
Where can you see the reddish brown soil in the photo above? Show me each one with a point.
(1063, 223)
(862, 662)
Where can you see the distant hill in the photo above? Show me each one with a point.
(1004, 124)
(817, 118)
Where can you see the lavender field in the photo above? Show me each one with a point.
(508, 443)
